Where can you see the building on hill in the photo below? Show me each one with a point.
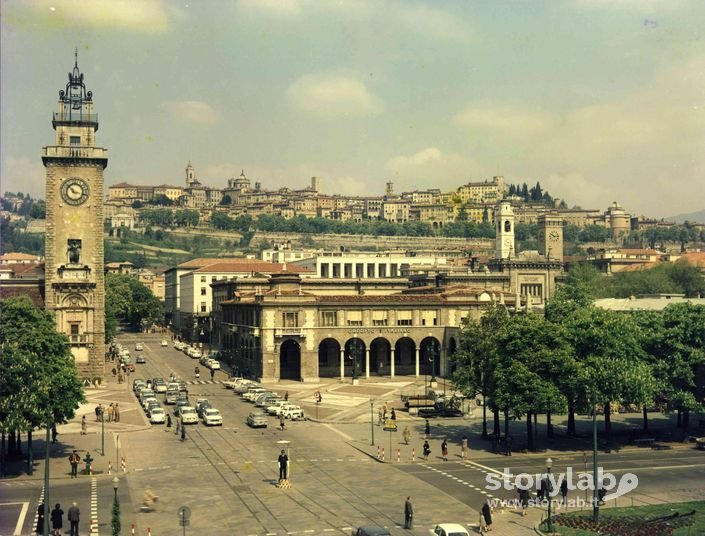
(618, 260)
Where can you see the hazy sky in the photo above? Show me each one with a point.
(599, 100)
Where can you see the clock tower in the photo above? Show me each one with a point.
(550, 231)
(504, 222)
(74, 274)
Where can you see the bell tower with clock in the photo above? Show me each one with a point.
(550, 234)
(504, 222)
(74, 273)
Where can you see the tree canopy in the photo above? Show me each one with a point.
(128, 300)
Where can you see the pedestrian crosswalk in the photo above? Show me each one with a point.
(240, 461)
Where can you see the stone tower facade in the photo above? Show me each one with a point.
(74, 272)
(504, 221)
(550, 231)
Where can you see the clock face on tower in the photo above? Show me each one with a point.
(507, 241)
(74, 191)
(554, 235)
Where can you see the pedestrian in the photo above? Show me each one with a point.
(57, 519)
(426, 450)
(524, 500)
(564, 492)
(406, 435)
(408, 514)
(183, 431)
(508, 445)
(110, 412)
(427, 430)
(40, 519)
(283, 462)
(84, 425)
(54, 433)
(486, 517)
(74, 460)
(116, 412)
(286, 396)
(177, 428)
(212, 374)
(393, 415)
(73, 516)
(97, 413)
(281, 422)
(380, 414)
(541, 489)
(463, 446)
(168, 423)
(444, 450)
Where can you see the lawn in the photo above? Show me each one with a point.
(652, 520)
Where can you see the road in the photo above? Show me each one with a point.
(226, 475)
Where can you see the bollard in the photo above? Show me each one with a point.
(413, 455)
(90, 470)
(110, 467)
(149, 531)
(133, 530)
(382, 453)
(123, 464)
(379, 456)
(398, 455)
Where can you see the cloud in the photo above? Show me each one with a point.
(146, 16)
(21, 174)
(432, 23)
(276, 8)
(195, 112)
(399, 163)
(506, 120)
(330, 96)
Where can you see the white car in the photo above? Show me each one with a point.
(251, 393)
(157, 416)
(450, 529)
(213, 364)
(212, 417)
(164, 342)
(195, 353)
(188, 415)
(178, 345)
(292, 412)
(139, 346)
(275, 408)
(147, 401)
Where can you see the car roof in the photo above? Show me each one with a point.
(374, 531)
(453, 527)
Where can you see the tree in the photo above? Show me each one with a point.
(38, 210)
(130, 301)
(220, 220)
(38, 377)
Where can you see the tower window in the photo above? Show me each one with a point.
(75, 140)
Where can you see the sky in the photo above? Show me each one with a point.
(598, 100)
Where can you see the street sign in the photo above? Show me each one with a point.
(184, 515)
(390, 425)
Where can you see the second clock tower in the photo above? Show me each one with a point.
(74, 266)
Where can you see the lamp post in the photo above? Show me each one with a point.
(549, 489)
(372, 421)
(45, 528)
(116, 525)
(354, 349)
(116, 483)
(595, 477)
(102, 431)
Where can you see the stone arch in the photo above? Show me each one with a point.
(329, 358)
(405, 357)
(430, 358)
(355, 356)
(290, 360)
(380, 357)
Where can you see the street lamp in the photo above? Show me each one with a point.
(549, 489)
(354, 349)
(372, 420)
(116, 508)
(116, 483)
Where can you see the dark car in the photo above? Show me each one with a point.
(140, 360)
(370, 530)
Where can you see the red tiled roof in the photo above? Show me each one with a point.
(14, 256)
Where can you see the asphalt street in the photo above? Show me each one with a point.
(226, 475)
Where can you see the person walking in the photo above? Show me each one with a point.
(408, 514)
(74, 460)
(427, 430)
(177, 428)
(283, 463)
(393, 415)
(168, 423)
(212, 374)
(73, 516)
(486, 517)
(286, 396)
(57, 519)
(183, 430)
(444, 450)
(116, 412)
(110, 412)
(508, 445)
(84, 426)
(564, 492)
(524, 500)
(380, 413)
(40, 519)
(426, 450)
(281, 422)
(406, 435)
(54, 433)
(541, 489)
(463, 446)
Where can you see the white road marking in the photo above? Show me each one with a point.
(20, 519)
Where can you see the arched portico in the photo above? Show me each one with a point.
(380, 357)
(405, 357)
(430, 356)
(355, 358)
(329, 358)
(290, 360)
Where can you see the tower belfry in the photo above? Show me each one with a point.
(74, 273)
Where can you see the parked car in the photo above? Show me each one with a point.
(275, 407)
(369, 530)
(257, 419)
(204, 360)
(140, 360)
(147, 401)
(179, 345)
(233, 382)
(266, 401)
(195, 353)
(244, 387)
(171, 396)
(188, 415)
(151, 406)
(146, 392)
(252, 393)
(139, 346)
(292, 412)
(212, 417)
(157, 416)
(213, 364)
(201, 405)
(164, 343)
(450, 529)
